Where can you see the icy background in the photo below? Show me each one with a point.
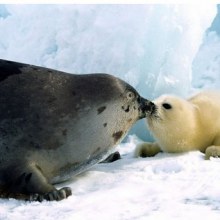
(152, 47)
(156, 48)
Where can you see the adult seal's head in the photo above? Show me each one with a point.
(54, 125)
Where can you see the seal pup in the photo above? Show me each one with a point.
(54, 125)
(180, 125)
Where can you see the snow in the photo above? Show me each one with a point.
(167, 186)
(157, 49)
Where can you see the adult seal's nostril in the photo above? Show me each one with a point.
(152, 107)
(146, 107)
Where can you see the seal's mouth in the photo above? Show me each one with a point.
(146, 107)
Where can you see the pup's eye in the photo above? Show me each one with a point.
(167, 106)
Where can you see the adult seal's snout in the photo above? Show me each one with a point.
(146, 107)
(54, 125)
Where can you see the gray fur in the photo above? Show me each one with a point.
(54, 125)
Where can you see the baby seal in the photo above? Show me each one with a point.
(54, 125)
(180, 125)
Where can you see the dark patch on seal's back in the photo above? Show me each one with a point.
(117, 135)
(101, 109)
(8, 68)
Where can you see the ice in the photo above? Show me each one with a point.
(150, 46)
(157, 49)
(206, 64)
(167, 186)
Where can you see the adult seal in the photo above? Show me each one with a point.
(54, 125)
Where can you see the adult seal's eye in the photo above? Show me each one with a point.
(167, 106)
(130, 95)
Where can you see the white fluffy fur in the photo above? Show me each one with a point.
(192, 124)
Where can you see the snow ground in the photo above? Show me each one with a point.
(167, 186)
(153, 48)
